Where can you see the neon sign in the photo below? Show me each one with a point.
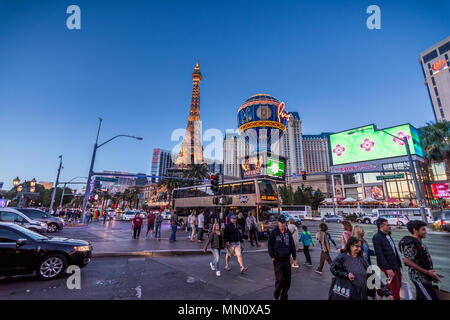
(438, 65)
(282, 113)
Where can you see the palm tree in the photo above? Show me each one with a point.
(170, 185)
(435, 143)
(196, 171)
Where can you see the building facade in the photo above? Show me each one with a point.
(162, 160)
(234, 149)
(316, 152)
(292, 146)
(435, 65)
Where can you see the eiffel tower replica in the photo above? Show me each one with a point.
(191, 149)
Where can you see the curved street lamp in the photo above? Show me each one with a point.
(94, 152)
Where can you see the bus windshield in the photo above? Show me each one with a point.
(267, 188)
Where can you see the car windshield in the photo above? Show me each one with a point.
(31, 234)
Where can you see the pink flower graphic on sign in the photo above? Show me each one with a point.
(401, 135)
(339, 150)
(367, 144)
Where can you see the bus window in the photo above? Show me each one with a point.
(201, 192)
(235, 188)
(248, 187)
(267, 188)
(226, 189)
(192, 192)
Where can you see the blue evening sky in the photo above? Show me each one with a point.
(131, 64)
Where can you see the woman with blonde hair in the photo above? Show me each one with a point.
(358, 233)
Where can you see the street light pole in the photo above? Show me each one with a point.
(56, 185)
(86, 193)
(91, 168)
(416, 183)
(64, 190)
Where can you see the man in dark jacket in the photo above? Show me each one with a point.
(281, 246)
(418, 260)
(233, 239)
(388, 259)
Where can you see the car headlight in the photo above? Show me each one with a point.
(82, 248)
(42, 224)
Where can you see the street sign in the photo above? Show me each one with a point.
(106, 179)
(391, 176)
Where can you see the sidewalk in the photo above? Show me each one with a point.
(115, 239)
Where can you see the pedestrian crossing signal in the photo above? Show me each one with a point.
(303, 175)
(215, 183)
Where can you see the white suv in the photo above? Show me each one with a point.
(10, 215)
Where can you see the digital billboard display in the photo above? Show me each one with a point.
(275, 167)
(368, 143)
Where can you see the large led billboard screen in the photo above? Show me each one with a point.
(368, 143)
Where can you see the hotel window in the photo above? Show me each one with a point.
(430, 56)
(431, 72)
(436, 91)
(442, 113)
(444, 48)
(432, 80)
(439, 102)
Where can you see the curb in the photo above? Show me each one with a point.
(158, 253)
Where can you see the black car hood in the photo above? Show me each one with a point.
(60, 240)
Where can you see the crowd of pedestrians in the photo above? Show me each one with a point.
(352, 268)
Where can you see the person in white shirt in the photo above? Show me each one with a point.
(201, 226)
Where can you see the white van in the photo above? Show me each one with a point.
(10, 215)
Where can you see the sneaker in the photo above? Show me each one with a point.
(243, 269)
(319, 272)
(218, 273)
(227, 268)
(310, 265)
(295, 266)
(212, 266)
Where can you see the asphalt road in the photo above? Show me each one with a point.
(190, 277)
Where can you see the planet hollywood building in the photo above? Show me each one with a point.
(372, 163)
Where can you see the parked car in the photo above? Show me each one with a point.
(130, 214)
(53, 223)
(166, 215)
(392, 219)
(367, 219)
(13, 216)
(23, 251)
(287, 216)
(332, 218)
(445, 220)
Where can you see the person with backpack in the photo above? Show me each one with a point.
(307, 240)
(418, 259)
(252, 231)
(324, 240)
(294, 232)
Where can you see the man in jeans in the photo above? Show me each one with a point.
(137, 224)
(281, 246)
(388, 259)
(252, 232)
(233, 238)
(201, 226)
(174, 225)
(418, 260)
(158, 223)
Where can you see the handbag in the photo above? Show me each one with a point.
(341, 289)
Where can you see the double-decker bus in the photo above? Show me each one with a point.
(250, 195)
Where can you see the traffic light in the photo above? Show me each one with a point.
(304, 175)
(215, 183)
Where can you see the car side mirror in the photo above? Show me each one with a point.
(20, 242)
